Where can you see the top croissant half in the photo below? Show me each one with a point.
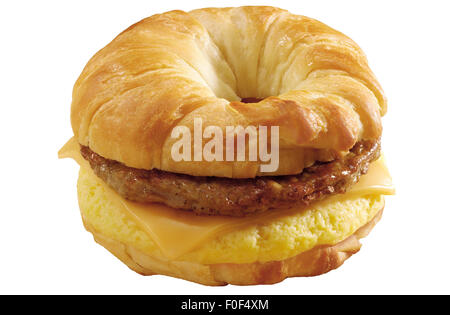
(313, 82)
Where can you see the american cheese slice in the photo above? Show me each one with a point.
(177, 232)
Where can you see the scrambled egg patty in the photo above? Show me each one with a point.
(325, 223)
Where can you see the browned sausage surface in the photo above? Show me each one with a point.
(235, 197)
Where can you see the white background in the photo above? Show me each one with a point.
(44, 247)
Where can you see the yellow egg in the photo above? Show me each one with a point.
(287, 235)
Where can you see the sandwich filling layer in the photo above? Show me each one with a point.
(160, 231)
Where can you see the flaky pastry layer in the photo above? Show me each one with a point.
(166, 70)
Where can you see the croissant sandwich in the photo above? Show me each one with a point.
(229, 146)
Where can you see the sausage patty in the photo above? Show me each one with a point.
(235, 197)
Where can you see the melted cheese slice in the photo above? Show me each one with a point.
(177, 232)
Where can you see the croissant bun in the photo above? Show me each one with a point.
(313, 82)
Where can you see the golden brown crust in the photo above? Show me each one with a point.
(169, 68)
(316, 261)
